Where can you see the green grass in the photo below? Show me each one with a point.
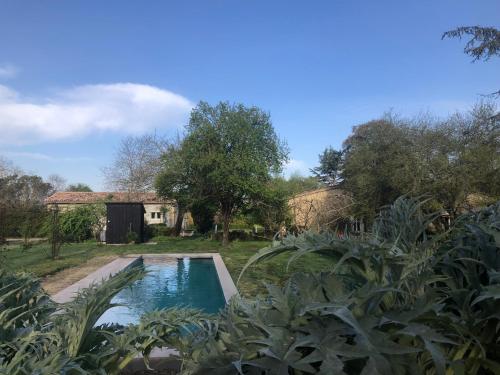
(37, 260)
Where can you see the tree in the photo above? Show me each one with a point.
(296, 184)
(480, 142)
(137, 162)
(21, 204)
(447, 160)
(329, 169)
(203, 212)
(58, 183)
(483, 44)
(271, 210)
(174, 181)
(55, 233)
(232, 150)
(7, 168)
(79, 187)
(377, 165)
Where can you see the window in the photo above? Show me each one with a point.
(356, 225)
(155, 215)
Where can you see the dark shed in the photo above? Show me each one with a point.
(123, 218)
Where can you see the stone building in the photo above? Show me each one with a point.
(157, 210)
(323, 208)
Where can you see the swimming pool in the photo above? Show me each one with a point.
(171, 282)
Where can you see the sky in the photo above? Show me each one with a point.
(78, 76)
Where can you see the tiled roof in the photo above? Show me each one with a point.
(76, 197)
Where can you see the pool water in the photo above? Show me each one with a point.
(188, 282)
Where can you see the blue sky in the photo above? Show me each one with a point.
(77, 76)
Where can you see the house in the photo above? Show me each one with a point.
(156, 210)
(328, 207)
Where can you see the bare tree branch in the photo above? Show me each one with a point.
(137, 162)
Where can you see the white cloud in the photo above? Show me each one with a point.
(294, 166)
(8, 71)
(83, 110)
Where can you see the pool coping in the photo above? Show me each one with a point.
(226, 282)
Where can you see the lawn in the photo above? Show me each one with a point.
(37, 260)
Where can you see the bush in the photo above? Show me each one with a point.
(132, 237)
(157, 230)
(76, 224)
(80, 223)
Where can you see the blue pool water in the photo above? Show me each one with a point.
(182, 283)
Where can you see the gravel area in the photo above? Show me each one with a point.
(54, 283)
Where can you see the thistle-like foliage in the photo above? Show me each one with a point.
(157, 329)
(395, 302)
(75, 320)
(41, 337)
(23, 304)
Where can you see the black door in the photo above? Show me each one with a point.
(123, 218)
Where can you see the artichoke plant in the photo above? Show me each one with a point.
(38, 336)
(395, 302)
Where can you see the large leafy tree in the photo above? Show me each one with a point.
(233, 151)
(445, 159)
(456, 157)
(377, 166)
(271, 210)
(176, 181)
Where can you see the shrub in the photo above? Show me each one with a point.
(132, 237)
(76, 224)
(156, 230)
(80, 223)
